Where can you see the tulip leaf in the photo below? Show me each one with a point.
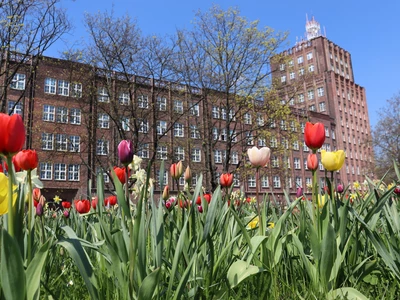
(12, 269)
(346, 293)
(239, 271)
(328, 254)
(149, 285)
(34, 271)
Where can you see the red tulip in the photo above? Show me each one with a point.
(200, 208)
(36, 194)
(206, 197)
(35, 203)
(12, 134)
(340, 188)
(226, 179)
(27, 159)
(120, 172)
(95, 200)
(66, 204)
(312, 161)
(39, 210)
(314, 135)
(176, 170)
(110, 201)
(82, 206)
(125, 152)
(1, 168)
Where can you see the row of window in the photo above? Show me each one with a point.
(61, 142)
(61, 114)
(300, 60)
(292, 75)
(62, 87)
(60, 171)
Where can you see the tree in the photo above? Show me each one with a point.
(386, 139)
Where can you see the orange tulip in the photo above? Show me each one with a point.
(314, 135)
(226, 179)
(12, 134)
(27, 159)
(120, 172)
(312, 161)
(176, 170)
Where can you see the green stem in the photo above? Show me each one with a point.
(11, 209)
(30, 217)
(315, 205)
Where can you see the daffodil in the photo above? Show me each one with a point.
(4, 194)
(356, 185)
(333, 161)
(254, 223)
(271, 225)
(390, 185)
(57, 199)
(353, 196)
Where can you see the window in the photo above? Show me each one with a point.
(283, 125)
(277, 181)
(296, 145)
(48, 113)
(179, 153)
(74, 143)
(305, 148)
(291, 63)
(75, 116)
(309, 55)
(61, 142)
(161, 127)
(194, 132)
(196, 155)
(143, 126)
(223, 136)
(232, 115)
(143, 151)
(76, 90)
(292, 75)
(260, 119)
(218, 156)
(178, 106)
(125, 123)
(62, 115)
(15, 108)
(102, 95)
(215, 133)
(275, 162)
(215, 112)
(320, 91)
(293, 126)
(195, 110)
(46, 171)
(300, 60)
(264, 181)
(124, 98)
(308, 181)
(251, 181)
(223, 113)
(103, 120)
(102, 147)
(50, 86)
(310, 94)
(262, 142)
(247, 118)
(322, 106)
(273, 142)
(162, 152)
(301, 98)
(233, 136)
(63, 88)
(164, 178)
(18, 82)
(321, 166)
(296, 162)
(162, 103)
(305, 164)
(302, 126)
(60, 172)
(326, 131)
(291, 101)
(282, 67)
(301, 71)
(143, 101)
(299, 182)
(283, 78)
(272, 123)
(311, 68)
(249, 138)
(312, 107)
(73, 172)
(178, 130)
(234, 158)
(47, 141)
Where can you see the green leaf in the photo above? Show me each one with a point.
(347, 293)
(239, 271)
(328, 254)
(149, 285)
(34, 271)
(12, 269)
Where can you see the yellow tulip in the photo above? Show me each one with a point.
(271, 225)
(321, 201)
(254, 223)
(333, 161)
(4, 194)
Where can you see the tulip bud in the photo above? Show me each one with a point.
(12, 134)
(299, 192)
(314, 135)
(165, 194)
(168, 204)
(27, 159)
(188, 175)
(66, 214)
(200, 208)
(339, 188)
(333, 161)
(312, 161)
(397, 191)
(176, 170)
(226, 179)
(39, 210)
(125, 152)
(259, 157)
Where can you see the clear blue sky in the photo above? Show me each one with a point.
(368, 29)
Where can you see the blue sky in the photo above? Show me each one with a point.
(368, 29)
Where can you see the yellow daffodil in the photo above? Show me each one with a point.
(254, 223)
(271, 225)
(57, 199)
(353, 196)
(390, 185)
(332, 161)
(356, 185)
(4, 194)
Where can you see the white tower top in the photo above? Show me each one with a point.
(313, 29)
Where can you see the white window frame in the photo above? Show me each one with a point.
(320, 91)
(309, 55)
(75, 116)
(60, 172)
(102, 147)
(143, 150)
(103, 121)
(194, 132)
(73, 172)
(18, 82)
(196, 155)
(49, 112)
(102, 95)
(277, 182)
(61, 142)
(215, 112)
(247, 118)
(125, 123)
(124, 98)
(76, 90)
(74, 143)
(50, 85)
(179, 130)
(162, 103)
(46, 171)
(62, 115)
(162, 152)
(251, 181)
(296, 163)
(179, 153)
(143, 101)
(47, 141)
(161, 127)
(234, 158)
(14, 108)
(63, 87)
(178, 106)
(195, 110)
(143, 126)
(264, 181)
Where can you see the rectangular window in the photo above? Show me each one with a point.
(62, 115)
(125, 123)
(296, 145)
(15, 108)
(194, 132)
(215, 133)
(296, 162)
(249, 138)
(273, 142)
(143, 151)
(195, 110)
(260, 119)
(103, 120)
(61, 142)
(215, 112)
(282, 67)
(75, 116)
(218, 156)
(161, 127)
(76, 90)
(310, 94)
(320, 91)
(73, 172)
(74, 144)
(262, 142)
(301, 71)
(301, 98)
(60, 172)
(49, 112)
(223, 113)
(50, 86)
(143, 126)
(162, 152)
(47, 141)
(300, 60)
(178, 130)
(63, 88)
(311, 107)
(162, 103)
(124, 98)
(196, 155)
(143, 101)
(277, 181)
(264, 181)
(102, 95)
(102, 147)
(305, 148)
(234, 158)
(275, 162)
(46, 171)
(251, 181)
(309, 55)
(292, 75)
(247, 118)
(178, 106)
(236, 180)
(179, 153)
(18, 82)
(322, 106)
(311, 68)
(299, 182)
(283, 79)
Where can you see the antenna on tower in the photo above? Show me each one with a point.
(313, 29)
(324, 31)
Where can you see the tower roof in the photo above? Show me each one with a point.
(313, 29)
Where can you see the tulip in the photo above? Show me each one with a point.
(39, 210)
(168, 204)
(299, 192)
(333, 161)
(66, 214)
(95, 200)
(206, 197)
(82, 206)
(254, 223)
(125, 152)
(36, 194)
(176, 170)
(66, 204)
(1, 168)
(259, 157)
(314, 135)
(321, 200)
(397, 191)
(27, 159)
(165, 194)
(226, 179)
(4, 194)
(12, 134)
(312, 161)
(188, 175)
(120, 172)
(340, 188)
(110, 201)
(200, 208)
